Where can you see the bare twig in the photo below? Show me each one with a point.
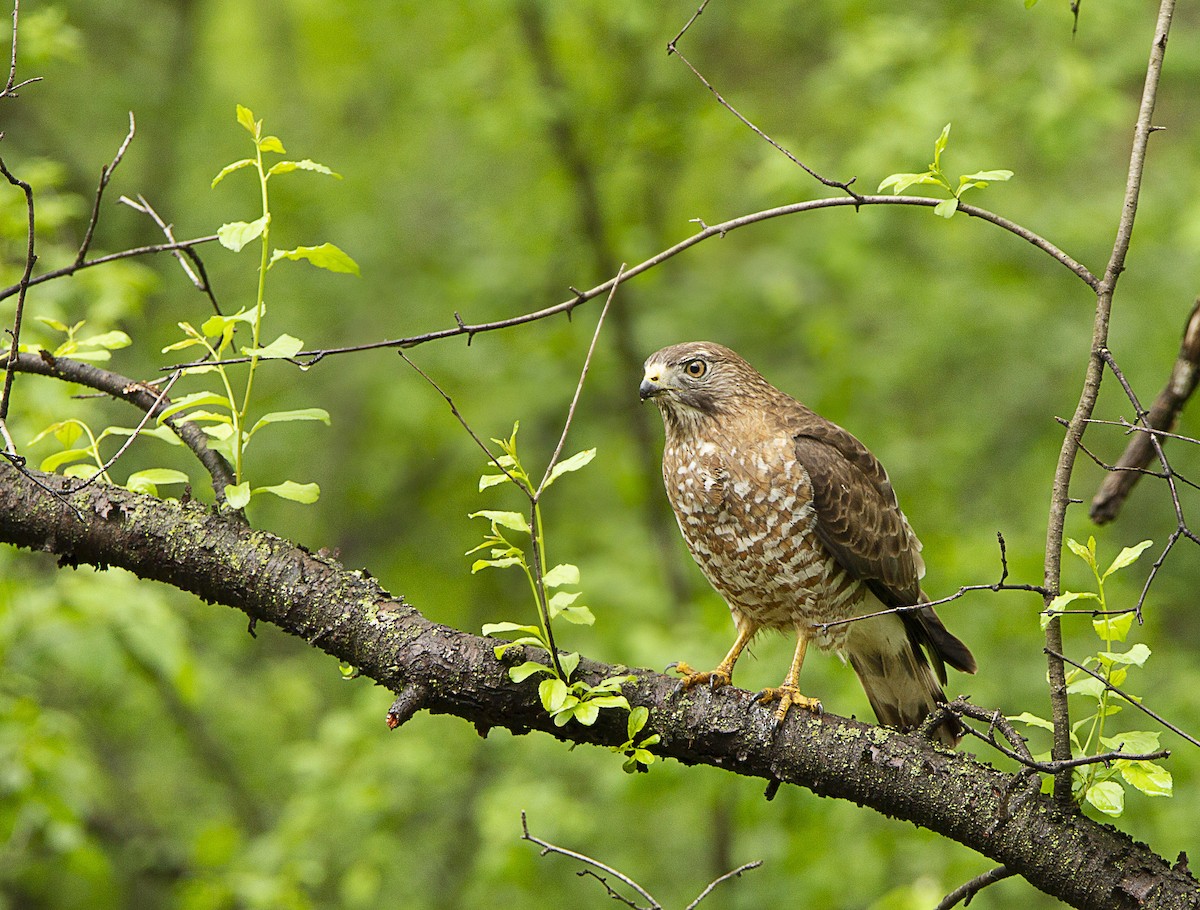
(672, 48)
(106, 173)
(110, 257)
(23, 285)
(1164, 413)
(1001, 585)
(965, 892)
(651, 904)
(11, 86)
(587, 362)
(197, 275)
(1132, 700)
(548, 847)
(1060, 494)
(735, 873)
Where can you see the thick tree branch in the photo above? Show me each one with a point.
(348, 615)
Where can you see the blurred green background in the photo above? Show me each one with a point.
(494, 153)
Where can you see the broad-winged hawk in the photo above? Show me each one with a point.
(795, 523)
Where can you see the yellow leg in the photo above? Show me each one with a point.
(789, 693)
(723, 674)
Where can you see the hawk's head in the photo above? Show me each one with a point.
(699, 379)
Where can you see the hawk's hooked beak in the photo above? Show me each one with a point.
(651, 385)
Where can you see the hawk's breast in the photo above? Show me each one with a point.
(747, 515)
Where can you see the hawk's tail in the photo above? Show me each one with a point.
(900, 684)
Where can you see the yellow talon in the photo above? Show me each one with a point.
(714, 678)
(787, 696)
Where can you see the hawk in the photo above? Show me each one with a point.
(795, 523)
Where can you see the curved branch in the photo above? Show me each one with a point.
(137, 394)
(350, 617)
(309, 358)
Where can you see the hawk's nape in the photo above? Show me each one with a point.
(796, 524)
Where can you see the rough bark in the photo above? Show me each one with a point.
(348, 615)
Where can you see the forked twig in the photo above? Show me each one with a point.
(965, 892)
(595, 864)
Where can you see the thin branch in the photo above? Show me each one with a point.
(548, 847)
(150, 249)
(106, 173)
(23, 285)
(1132, 700)
(672, 48)
(198, 275)
(312, 357)
(1001, 585)
(11, 86)
(1164, 413)
(735, 873)
(965, 892)
(587, 362)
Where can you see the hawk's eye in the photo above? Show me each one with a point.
(695, 368)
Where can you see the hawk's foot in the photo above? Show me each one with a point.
(787, 696)
(715, 679)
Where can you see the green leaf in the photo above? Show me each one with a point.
(637, 720)
(491, 480)
(271, 144)
(553, 693)
(561, 600)
(82, 471)
(587, 712)
(526, 670)
(237, 496)
(1127, 557)
(52, 463)
(1070, 597)
(236, 234)
(1086, 685)
(318, 414)
(609, 701)
(230, 168)
(569, 662)
(946, 208)
(1146, 776)
(574, 463)
(580, 616)
(190, 401)
(514, 521)
(163, 432)
(246, 118)
(326, 256)
(1032, 720)
(110, 341)
(65, 431)
(1107, 796)
(1113, 627)
(493, 628)
(480, 564)
(1087, 554)
(284, 346)
(149, 480)
(939, 146)
(297, 492)
(1136, 655)
(983, 178)
(562, 574)
(900, 182)
(1132, 741)
(284, 167)
(53, 323)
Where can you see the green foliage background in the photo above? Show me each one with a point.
(152, 754)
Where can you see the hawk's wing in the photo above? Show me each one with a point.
(859, 521)
(858, 518)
